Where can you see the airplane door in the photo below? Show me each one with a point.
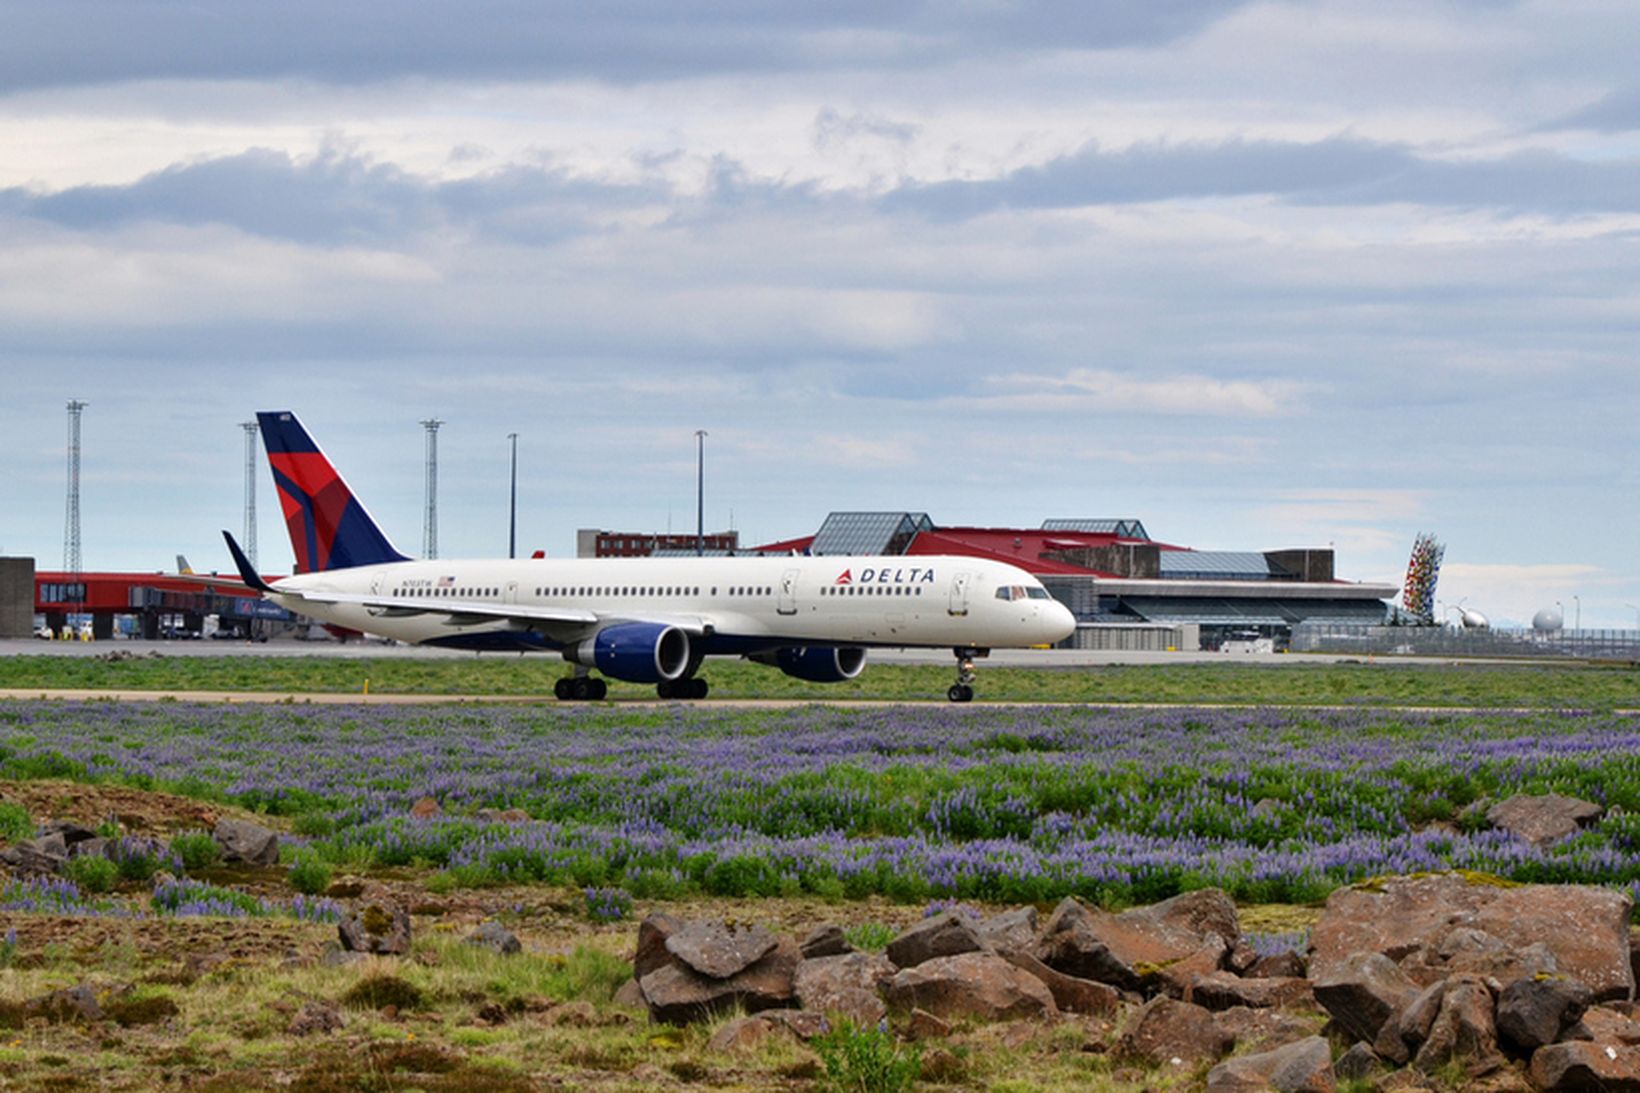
(787, 603)
(959, 593)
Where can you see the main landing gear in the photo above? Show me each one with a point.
(963, 689)
(580, 689)
(690, 688)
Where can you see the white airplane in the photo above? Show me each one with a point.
(642, 620)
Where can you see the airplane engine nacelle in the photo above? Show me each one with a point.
(818, 664)
(637, 652)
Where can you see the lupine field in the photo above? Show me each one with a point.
(912, 802)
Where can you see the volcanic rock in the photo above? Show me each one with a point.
(1533, 1011)
(1357, 1064)
(425, 808)
(922, 1025)
(827, 940)
(1362, 991)
(1010, 931)
(718, 949)
(1070, 994)
(848, 985)
(495, 936)
(1465, 1030)
(1301, 1067)
(243, 841)
(803, 1024)
(944, 934)
(1288, 965)
(677, 993)
(378, 927)
(740, 1035)
(652, 934)
(979, 985)
(1222, 990)
(1583, 927)
(70, 831)
(1581, 1065)
(1110, 948)
(45, 855)
(1542, 820)
(316, 1016)
(1262, 1029)
(1165, 1030)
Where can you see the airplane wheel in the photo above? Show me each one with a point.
(667, 689)
(562, 689)
(960, 692)
(698, 688)
(598, 689)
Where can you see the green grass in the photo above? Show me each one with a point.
(1368, 684)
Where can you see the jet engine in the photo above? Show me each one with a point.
(817, 664)
(637, 652)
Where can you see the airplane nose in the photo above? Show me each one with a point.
(1057, 622)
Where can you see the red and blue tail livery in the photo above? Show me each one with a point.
(329, 528)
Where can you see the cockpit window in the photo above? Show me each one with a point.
(1038, 593)
(1011, 592)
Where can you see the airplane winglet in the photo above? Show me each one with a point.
(247, 572)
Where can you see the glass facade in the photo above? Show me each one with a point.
(1127, 529)
(869, 532)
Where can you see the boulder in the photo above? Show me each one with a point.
(1301, 1067)
(651, 952)
(720, 950)
(495, 936)
(1402, 1033)
(1175, 977)
(1464, 1031)
(316, 1016)
(1605, 1025)
(243, 841)
(1542, 820)
(1010, 931)
(1222, 990)
(945, 934)
(70, 831)
(1070, 994)
(1358, 1064)
(1581, 1065)
(425, 808)
(1583, 927)
(1262, 1029)
(922, 1025)
(740, 1035)
(849, 985)
(1536, 1011)
(1091, 944)
(979, 985)
(677, 994)
(45, 855)
(1165, 1031)
(1362, 991)
(827, 940)
(378, 927)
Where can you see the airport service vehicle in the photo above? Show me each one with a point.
(640, 620)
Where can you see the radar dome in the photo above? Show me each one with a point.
(1548, 619)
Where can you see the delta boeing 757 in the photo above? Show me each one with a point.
(641, 620)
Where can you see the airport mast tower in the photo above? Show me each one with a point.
(429, 534)
(249, 533)
(71, 525)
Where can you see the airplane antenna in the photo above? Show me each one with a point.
(248, 536)
(71, 525)
(700, 492)
(429, 534)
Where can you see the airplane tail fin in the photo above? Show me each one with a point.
(329, 528)
(183, 567)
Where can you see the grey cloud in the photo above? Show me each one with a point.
(1618, 112)
(51, 43)
(334, 198)
(1337, 171)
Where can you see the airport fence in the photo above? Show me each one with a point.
(1443, 641)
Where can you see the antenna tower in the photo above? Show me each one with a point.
(429, 534)
(248, 534)
(71, 526)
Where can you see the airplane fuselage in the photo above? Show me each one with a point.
(739, 605)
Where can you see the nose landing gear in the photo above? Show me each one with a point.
(963, 689)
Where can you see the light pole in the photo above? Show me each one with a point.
(512, 507)
(1636, 611)
(1562, 614)
(1578, 623)
(700, 492)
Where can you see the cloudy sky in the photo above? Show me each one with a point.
(1259, 274)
